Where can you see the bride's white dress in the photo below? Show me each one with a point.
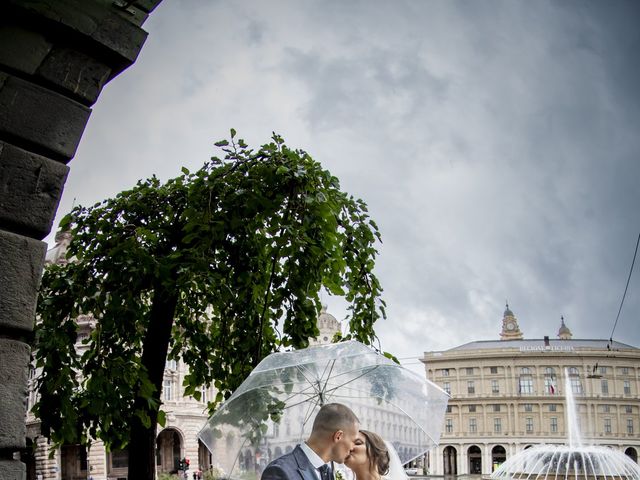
(396, 469)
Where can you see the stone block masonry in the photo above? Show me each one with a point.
(39, 119)
(55, 58)
(31, 186)
(14, 363)
(20, 271)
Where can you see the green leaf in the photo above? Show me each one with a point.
(162, 418)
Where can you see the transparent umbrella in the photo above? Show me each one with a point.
(274, 408)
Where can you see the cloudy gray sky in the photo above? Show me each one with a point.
(497, 143)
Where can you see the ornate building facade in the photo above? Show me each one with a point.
(509, 394)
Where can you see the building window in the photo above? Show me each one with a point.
(448, 408)
(525, 385)
(472, 408)
(449, 426)
(496, 407)
(528, 407)
(497, 425)
(447, 387)
(171, 365)
(445, 372)
(573, 371)
(495, 386)
(553, 407)
(625, 370)
(550, 383)
(525, 371)
(627, 387)
(204, 394)
(550, 371)
(607, 425)
(529, 424)
(493, 369)
(473, 426)
(606, 408)
(167, 390)
(602, 370)
(470, 371)
(629, 425)
(471, 387)
(554, 425)
(604, 384)
(628, 409)
(576, 387)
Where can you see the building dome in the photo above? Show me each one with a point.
(327, 321)
(328, 327)
(507, 312)
(564, 333)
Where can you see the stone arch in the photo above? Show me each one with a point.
(498, 456)
(56, 58)
(632, 453)
(205, 459)
(450, 460)
(474, 454)
(169, 450)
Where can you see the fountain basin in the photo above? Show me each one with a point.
(568, 462)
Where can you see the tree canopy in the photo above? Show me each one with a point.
(218, 267)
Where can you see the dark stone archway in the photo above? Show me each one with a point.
(169, 450)
(498, 457)
(474, 454)
(55, 58)
(450, 461)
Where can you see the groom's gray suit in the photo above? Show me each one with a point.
(291, 466)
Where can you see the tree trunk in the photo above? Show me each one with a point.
(142, 440)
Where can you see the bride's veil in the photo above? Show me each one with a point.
(396, 470)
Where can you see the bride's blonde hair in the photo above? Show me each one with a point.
(377, 451)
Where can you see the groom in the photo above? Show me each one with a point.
(332, 438)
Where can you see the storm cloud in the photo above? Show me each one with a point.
(496, 143)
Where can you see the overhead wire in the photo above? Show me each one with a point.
(615, 324)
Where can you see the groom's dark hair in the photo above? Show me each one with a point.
(333, 417)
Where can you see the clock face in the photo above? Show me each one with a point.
(511, 326)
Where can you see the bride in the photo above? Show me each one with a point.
(374, 459)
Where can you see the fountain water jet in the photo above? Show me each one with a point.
(573, 461)
(572, 413)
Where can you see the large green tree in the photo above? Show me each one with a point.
(218, 267)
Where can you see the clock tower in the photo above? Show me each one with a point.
(510, 328)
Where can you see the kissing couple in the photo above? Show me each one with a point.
(336, 441)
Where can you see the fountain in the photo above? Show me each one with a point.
(573, 461)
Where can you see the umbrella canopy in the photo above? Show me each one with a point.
(274, 408)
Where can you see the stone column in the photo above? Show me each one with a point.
(55, 57)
